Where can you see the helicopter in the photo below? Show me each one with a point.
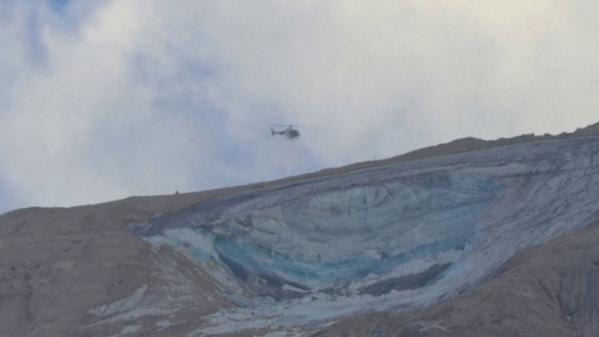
(290, 132)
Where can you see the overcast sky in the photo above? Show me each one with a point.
(104, 99)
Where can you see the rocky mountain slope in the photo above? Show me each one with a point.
(469, 238)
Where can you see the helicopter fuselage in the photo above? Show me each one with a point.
(290, 132)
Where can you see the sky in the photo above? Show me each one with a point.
(101, 100)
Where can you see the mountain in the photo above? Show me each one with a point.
(468, 238)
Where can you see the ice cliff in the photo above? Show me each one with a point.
(389, 237)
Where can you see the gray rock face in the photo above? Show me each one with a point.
(444, 241)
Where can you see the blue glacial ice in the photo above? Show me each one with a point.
(345, 238)
(384, 238)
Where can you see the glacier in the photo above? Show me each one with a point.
(388, 237)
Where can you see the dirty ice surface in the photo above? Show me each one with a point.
(384, 238)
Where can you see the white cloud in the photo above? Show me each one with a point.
(133, 97)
